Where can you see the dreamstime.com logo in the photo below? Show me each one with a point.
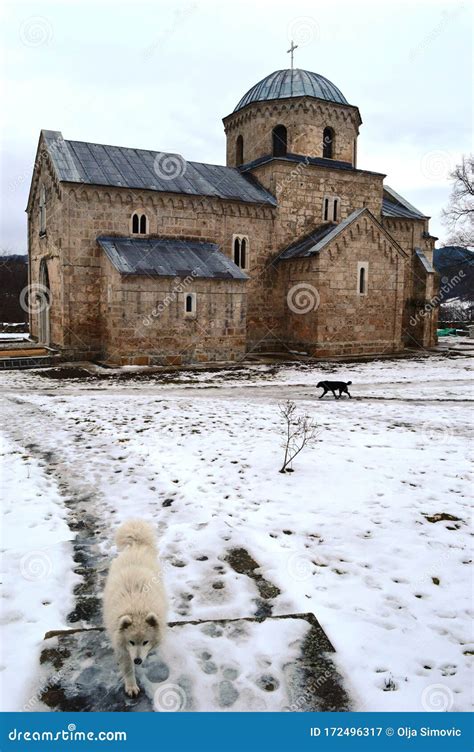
(36, 566)
(36, 31)
(303, 30)
(300, 567)
(169, 166)
(169, 298)
(71, 734)
(169, 698)
(437, 698)
(446, 286)
(35, 298)
(303, 298)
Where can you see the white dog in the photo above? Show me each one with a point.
(134, 599)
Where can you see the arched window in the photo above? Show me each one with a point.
(279, 141)
(334, 209)
(362, 268)
(326, 209)
(139, 224)
(42, 211)
(239, 151)
(328, 143)
(190, 303)
(240, 251)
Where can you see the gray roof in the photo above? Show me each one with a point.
(169, 257)
(285, 84)
(394, 205)
(320, 237)
(99, 164)
(426, 264)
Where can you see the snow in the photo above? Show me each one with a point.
(36, 568)
(346, 536)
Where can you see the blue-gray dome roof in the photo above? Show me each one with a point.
(284, 84)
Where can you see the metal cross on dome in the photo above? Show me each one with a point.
(291, 51)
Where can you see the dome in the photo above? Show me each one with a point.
(285, 84)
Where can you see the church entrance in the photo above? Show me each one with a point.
(44, 303)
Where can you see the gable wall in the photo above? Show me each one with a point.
(326, 315)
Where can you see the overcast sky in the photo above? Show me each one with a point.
(161, 75)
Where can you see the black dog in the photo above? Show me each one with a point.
(334, 386)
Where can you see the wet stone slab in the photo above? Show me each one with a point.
(280, 663)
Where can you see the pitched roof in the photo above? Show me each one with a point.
(118, 166)
(325, 234)
(169, 257)
(428, 267)
(320, 237)
(332, 164)
(394, 205)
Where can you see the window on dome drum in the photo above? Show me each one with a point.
(279, 141)
(240, 251)
(139, 224)
(328, 143)
(362, 270)
(239, 151)
(42, 211)
(190, 304)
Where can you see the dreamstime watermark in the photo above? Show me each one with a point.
(446, 286)
(36, 566)
(437, 698)
(312, 688)
(294, 174)
(300, 567)
(169, 698)
(434, 433)
(447, 17)
(36, 31)
(303, 30)
(437, 164)
(35, 699)
(169, 298)
(35, 298)
(178, 18)
(303, 298)
(169, 166)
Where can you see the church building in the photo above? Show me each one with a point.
(143, 257)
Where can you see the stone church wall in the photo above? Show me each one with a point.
(340, 321)
(145, 322)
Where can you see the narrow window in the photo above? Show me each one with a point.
(143, 224)
(362, 281)
(135, 224)
(326, 209)
(237, 251)
(190, 303)
(334, 210)
(279, 140)
(42, 211)
(239, 151)
(328, 142)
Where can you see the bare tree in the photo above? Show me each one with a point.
(458, 217)
(299, 431)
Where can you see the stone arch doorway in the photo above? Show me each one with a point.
(44, 304)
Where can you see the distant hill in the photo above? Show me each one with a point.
(13, 278)
(455, 265)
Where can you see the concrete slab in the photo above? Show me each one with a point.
(251, 664)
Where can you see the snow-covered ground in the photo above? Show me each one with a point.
(352, 535)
